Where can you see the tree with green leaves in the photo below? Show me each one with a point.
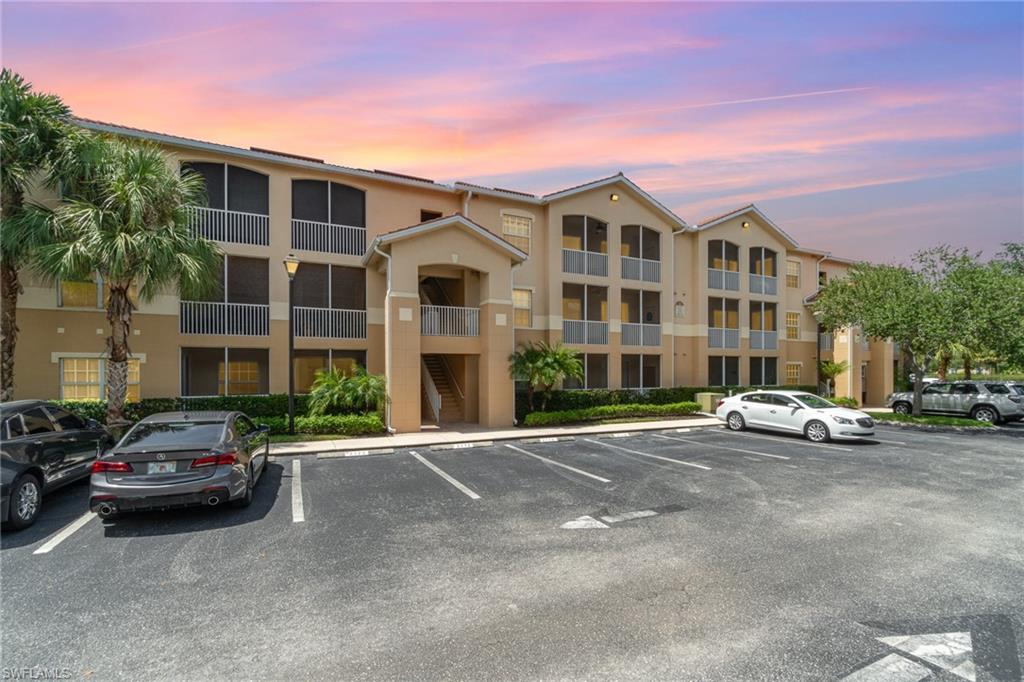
(542, 366)
(32, 128)
(828, 371)
(335, 391)
(124, 217)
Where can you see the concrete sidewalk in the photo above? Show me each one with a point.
(464, 434)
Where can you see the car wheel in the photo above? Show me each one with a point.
(985, 414)
(816, 431)
(26, 501)
(902, 408)
(735, 421)
(246, 499)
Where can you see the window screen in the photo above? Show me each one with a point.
(213, 176)
(310, 285)
(248, 280)
(652, 371)
(309, 200)
(200, 368)
(597, 370)
(631, 371)
(248, 191)
(348, 288)
(348, 205)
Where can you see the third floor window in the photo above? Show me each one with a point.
(762, 261)
(233, 188)
(516, 231)
(331, 203)
(723, 255)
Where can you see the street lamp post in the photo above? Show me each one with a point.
(291, 266)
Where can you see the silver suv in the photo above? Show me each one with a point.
(988, 401)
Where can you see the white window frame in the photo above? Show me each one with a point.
(586, 373)
(97, 280)
(763, 305)
(530, 291)
(799, 324)
(641, 387)
(799, 273)
(521, 215)
(800, 373)
(102, 380)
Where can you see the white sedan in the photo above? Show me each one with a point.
(794, 412)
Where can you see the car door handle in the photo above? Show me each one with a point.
(744, 407)
(37, 442)
(772, 411)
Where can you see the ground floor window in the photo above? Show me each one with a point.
(225, 371)
(308, 362)
(723, 371)
(793, 373)
(595, 372)
(85, 379)
(764, 371)
(641, 371)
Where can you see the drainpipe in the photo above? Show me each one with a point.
(512, 322)
(817, 327)
(387, 333)
(465, 202)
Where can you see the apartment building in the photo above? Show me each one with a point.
(435, 285)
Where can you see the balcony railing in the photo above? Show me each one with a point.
(641, 269)
(764, 340)
(237, 227)
(232, 319)
(636, 334)
(584, 331)
(433, 396)
(825, 341)
(762, 284)
(585, 262)
(723, 279)
(329, 323)
(449, 320)
(723, 338)
(309, 235)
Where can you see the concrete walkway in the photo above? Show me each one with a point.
(469, 434)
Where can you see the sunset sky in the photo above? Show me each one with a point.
(868, 129)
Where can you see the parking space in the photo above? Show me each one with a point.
(481, 561)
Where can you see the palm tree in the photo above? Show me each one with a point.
(828, 371)
(32, 126)
(542, 366)
(124, 217)
(335, 390)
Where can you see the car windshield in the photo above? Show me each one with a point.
(813, 401)
(163, 434)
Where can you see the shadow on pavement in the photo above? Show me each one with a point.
(60, 507)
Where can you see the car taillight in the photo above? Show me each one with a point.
(721, 402)
(215, 460)
(102, 467)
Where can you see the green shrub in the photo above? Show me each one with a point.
(844, 401)
(256, 406)
(621, 411)
(340, 424)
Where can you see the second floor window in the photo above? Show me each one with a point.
(331, 203)
(762, 316)
(723, 313)
(522, 304)
(793, 274)
(516, 230)
(793, 326)
(90, 293)
(583, 233)
(641, 242)
(762, 261)
(318, 285)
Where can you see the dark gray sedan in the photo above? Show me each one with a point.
(181, 459)
(42, 447)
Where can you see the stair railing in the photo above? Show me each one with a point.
(433, 397)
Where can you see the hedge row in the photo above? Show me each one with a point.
(611, 412)
(344, 424)
(843, 401)
(256, 406)
(579, 399)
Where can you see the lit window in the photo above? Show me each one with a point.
(793, 274)
(522, 303)
(793, 326)
(516, 230)
(792, 373)
(83, 294)
(243, 377)
(85, 379)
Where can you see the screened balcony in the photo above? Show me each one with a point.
(330, 302)
(241, 306)
(763, 333)
(584, 246)
(584, 314)
(641, 318)
(641, 253)
(825, 341)
(237, 207)
(723, 265)
(763, 273)
(723, 323)
(328, 217)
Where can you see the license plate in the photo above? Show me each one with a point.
(161, 468)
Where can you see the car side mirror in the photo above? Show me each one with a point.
(795, 406)
(93, 424)
(263, 428)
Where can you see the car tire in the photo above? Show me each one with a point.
(984, 413)
(902, 408)
(816, 431)
(24, 512)
(246, 499)
(735, 422)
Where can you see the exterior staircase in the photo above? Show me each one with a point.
(451, 403)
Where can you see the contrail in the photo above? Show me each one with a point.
(705, 105)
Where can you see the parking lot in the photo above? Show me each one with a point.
(689, 554)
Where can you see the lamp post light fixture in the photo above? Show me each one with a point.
(291, 266)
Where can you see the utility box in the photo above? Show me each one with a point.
(709, 401)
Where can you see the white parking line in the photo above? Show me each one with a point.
(558, 464)
(469, 493)
(65, 533)
(720, 447)
(298, 513)
(782, 440)
(645, 454)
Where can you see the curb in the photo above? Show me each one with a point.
(963, 430)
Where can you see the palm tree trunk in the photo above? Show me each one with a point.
(8, 327)
(119, 315)
(943, 370)
(967, 366)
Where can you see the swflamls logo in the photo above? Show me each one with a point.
(35, 673)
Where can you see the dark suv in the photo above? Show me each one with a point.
(43, 447)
